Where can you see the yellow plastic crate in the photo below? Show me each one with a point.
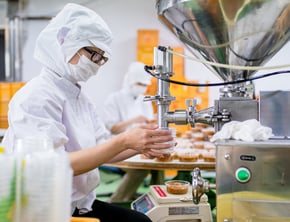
(84, 219)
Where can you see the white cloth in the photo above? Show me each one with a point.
(52, 105)
(248, 130)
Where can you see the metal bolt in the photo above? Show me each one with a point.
(227, 156)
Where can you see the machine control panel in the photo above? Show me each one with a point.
(243, 174)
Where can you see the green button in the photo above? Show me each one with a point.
(243, 175)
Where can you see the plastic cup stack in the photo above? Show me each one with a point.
(46, 184)
(7, 187)
(31, 145)
(171, 149)
(46, 188)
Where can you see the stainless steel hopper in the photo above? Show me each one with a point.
(233, 32)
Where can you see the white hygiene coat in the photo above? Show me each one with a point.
(122, 105)
(52, 105)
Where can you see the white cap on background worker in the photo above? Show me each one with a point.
(136, 79)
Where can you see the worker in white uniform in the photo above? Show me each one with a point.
(123, 110)
(71, 48)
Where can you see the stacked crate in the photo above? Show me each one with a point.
(146, 41)
(7, 90)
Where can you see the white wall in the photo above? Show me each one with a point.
(125, 17)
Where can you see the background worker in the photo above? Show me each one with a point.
(72, 48)
(123, 110)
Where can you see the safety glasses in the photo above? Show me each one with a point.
(97, 57)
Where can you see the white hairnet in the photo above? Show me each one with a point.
(136, 74)
(73, 28)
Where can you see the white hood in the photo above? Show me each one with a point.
(74, 27)
(136, 74)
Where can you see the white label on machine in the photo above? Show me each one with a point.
(183, 210)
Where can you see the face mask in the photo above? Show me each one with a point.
(84, 69)
(137, 90)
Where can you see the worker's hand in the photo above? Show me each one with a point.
(147, 139)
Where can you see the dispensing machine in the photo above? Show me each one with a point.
(234, 39)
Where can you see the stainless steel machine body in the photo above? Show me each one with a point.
(253, 181)
(274, 112)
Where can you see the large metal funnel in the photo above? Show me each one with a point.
(232, 32)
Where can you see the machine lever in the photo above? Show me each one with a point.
(199, 185)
